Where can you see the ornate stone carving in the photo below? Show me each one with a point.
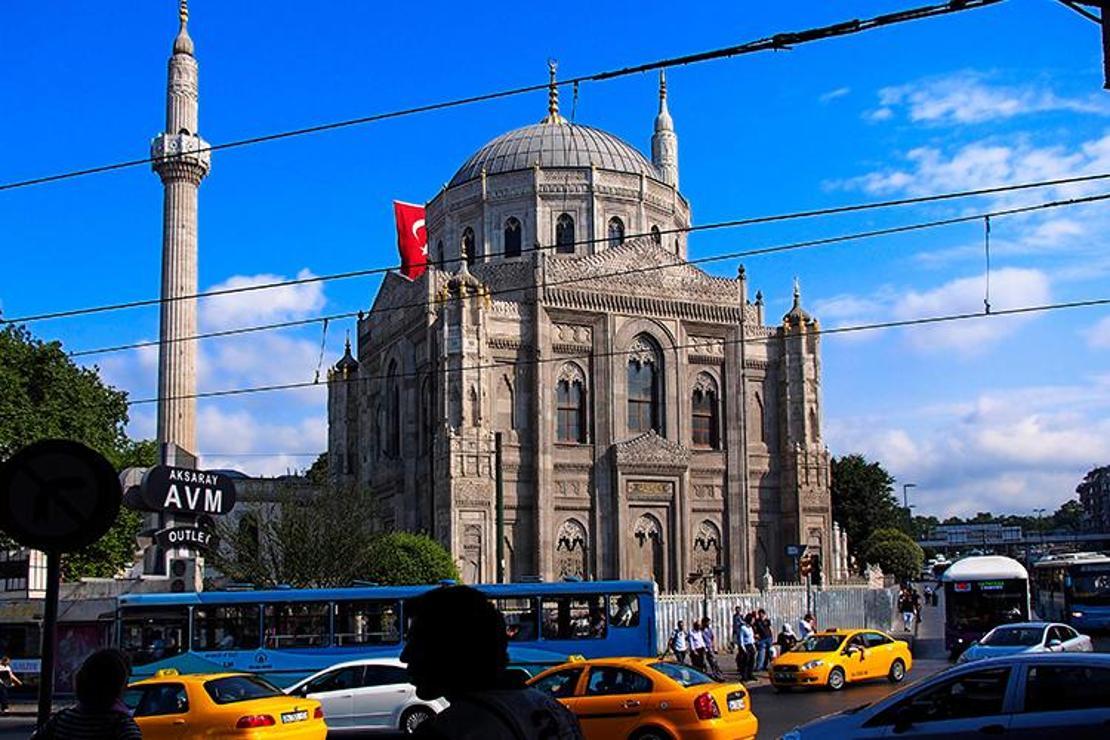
(572, 488)
(643, 351)
(573, 334)
(651, 450)
(571, 373)
(707, 346)
(705, 383)
(647, 527)
(656, 489)
(707, 490)
(571, 547)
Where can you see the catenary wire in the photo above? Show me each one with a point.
(780, 41)
(749, 221)
(920, 321)
(792, 246)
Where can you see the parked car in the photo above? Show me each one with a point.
(1027, 637)
(1025, 696)
(368, 695)
(833, 658)
(649, 699)
(170, 706)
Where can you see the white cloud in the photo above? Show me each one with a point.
(240, 440)
(966, 97)
(1098, 336)
(1003, 451)
(260, 306)
(831, 95)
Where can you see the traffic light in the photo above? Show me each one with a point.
(805, 566)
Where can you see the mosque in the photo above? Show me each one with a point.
(639, 417)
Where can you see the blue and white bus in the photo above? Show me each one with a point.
(980, 593)
(287, 634)
(1075, 589)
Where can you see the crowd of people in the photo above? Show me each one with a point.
(753, 639)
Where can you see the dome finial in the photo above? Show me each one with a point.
(182, 44)
(662, 90)
(797, 290)
(183, 12)
(552, 95)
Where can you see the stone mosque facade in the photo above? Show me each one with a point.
(653, 423)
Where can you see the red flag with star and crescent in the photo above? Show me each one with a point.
(412, 238)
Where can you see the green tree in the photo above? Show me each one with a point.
(1069, 516)
(317, 473)
(403, 559)
(863, 500)
(46, 395)
(893, 551)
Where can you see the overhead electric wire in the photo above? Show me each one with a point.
(901, 323)
(776, 42)
(749, 221)
(791, 246)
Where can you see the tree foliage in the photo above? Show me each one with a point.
(894, 551)
(47, 396)
(863, 500)
(404, 559)
(318, 538)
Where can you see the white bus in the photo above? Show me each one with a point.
(979, 594)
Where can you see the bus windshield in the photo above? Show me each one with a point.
(1091, 585)
(978, 606)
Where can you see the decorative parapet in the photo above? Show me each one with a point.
(180, 157)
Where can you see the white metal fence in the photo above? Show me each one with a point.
(835, 606)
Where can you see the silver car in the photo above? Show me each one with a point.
(1027, 637)
(368, 695)
(1019, 697)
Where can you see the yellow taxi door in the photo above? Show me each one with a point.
(856, 658)
(613, 703)
(880, 654)
(162, 712)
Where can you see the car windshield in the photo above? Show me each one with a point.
(819, 644)
(231, 689)
(682, 674)
(1014, 637)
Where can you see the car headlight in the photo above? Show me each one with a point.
(812, 664)
(1077, 615)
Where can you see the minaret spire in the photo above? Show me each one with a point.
(181, 159)
(664, 142)
(552, 95)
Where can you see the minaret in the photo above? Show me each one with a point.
(181, 159)
(664, 142)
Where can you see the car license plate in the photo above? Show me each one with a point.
(735, 705)
(294, 717)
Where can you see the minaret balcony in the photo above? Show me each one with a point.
(180, 155)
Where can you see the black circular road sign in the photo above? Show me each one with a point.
(58, 496)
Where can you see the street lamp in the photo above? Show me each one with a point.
(1040, 525)
(906, 502)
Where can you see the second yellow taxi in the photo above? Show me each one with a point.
(649, 699)
(175, 707)
(833, 658)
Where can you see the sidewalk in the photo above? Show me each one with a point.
(31, 709)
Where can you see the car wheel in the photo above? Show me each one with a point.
(836, 679)
(650, 733)
(415, 717)
(897, 671)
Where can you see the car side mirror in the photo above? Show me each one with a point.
(1054, 643)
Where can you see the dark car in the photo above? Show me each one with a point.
(1023, 696)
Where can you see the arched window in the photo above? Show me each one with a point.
(570, 405)
(645, 373)
(468, 245)
(704, 411)
(564, 234)
(656, 236)
(512, 238)
(616, 232)
(393, 418)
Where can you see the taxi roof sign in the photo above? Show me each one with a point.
(166, 672)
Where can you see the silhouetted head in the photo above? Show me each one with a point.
(102, 679)
(455, 644)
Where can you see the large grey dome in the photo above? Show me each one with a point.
(554, 144)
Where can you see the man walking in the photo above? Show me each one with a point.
(765, 638)
(680, 642)
(745, 654)
(710, 638)
(697, 646)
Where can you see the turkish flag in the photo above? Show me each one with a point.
(412, 238)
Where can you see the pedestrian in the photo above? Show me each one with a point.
(915, 599)
(806, 626)
(455, 626)
(787, 639)
(765, 638)
(737, 620)
(100, 711)
(745, 654)
(8, 680)
(905, 606)
(697, 646)
(710, 637)
(679, 643)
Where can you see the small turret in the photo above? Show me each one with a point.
(347, 364)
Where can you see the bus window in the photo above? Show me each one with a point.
(573, 617)
(20, 640)
(154, 633)
(231, 627)
(624, 610)
(520, 618)
(367, 623)
(297, 625)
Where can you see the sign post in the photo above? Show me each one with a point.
(56, 496)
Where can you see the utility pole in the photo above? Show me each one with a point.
(499, 478)
(1080, 6)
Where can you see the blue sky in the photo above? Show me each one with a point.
(1004, 414)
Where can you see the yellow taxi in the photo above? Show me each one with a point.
(834, 658)
(649, 699)
(170, 706)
